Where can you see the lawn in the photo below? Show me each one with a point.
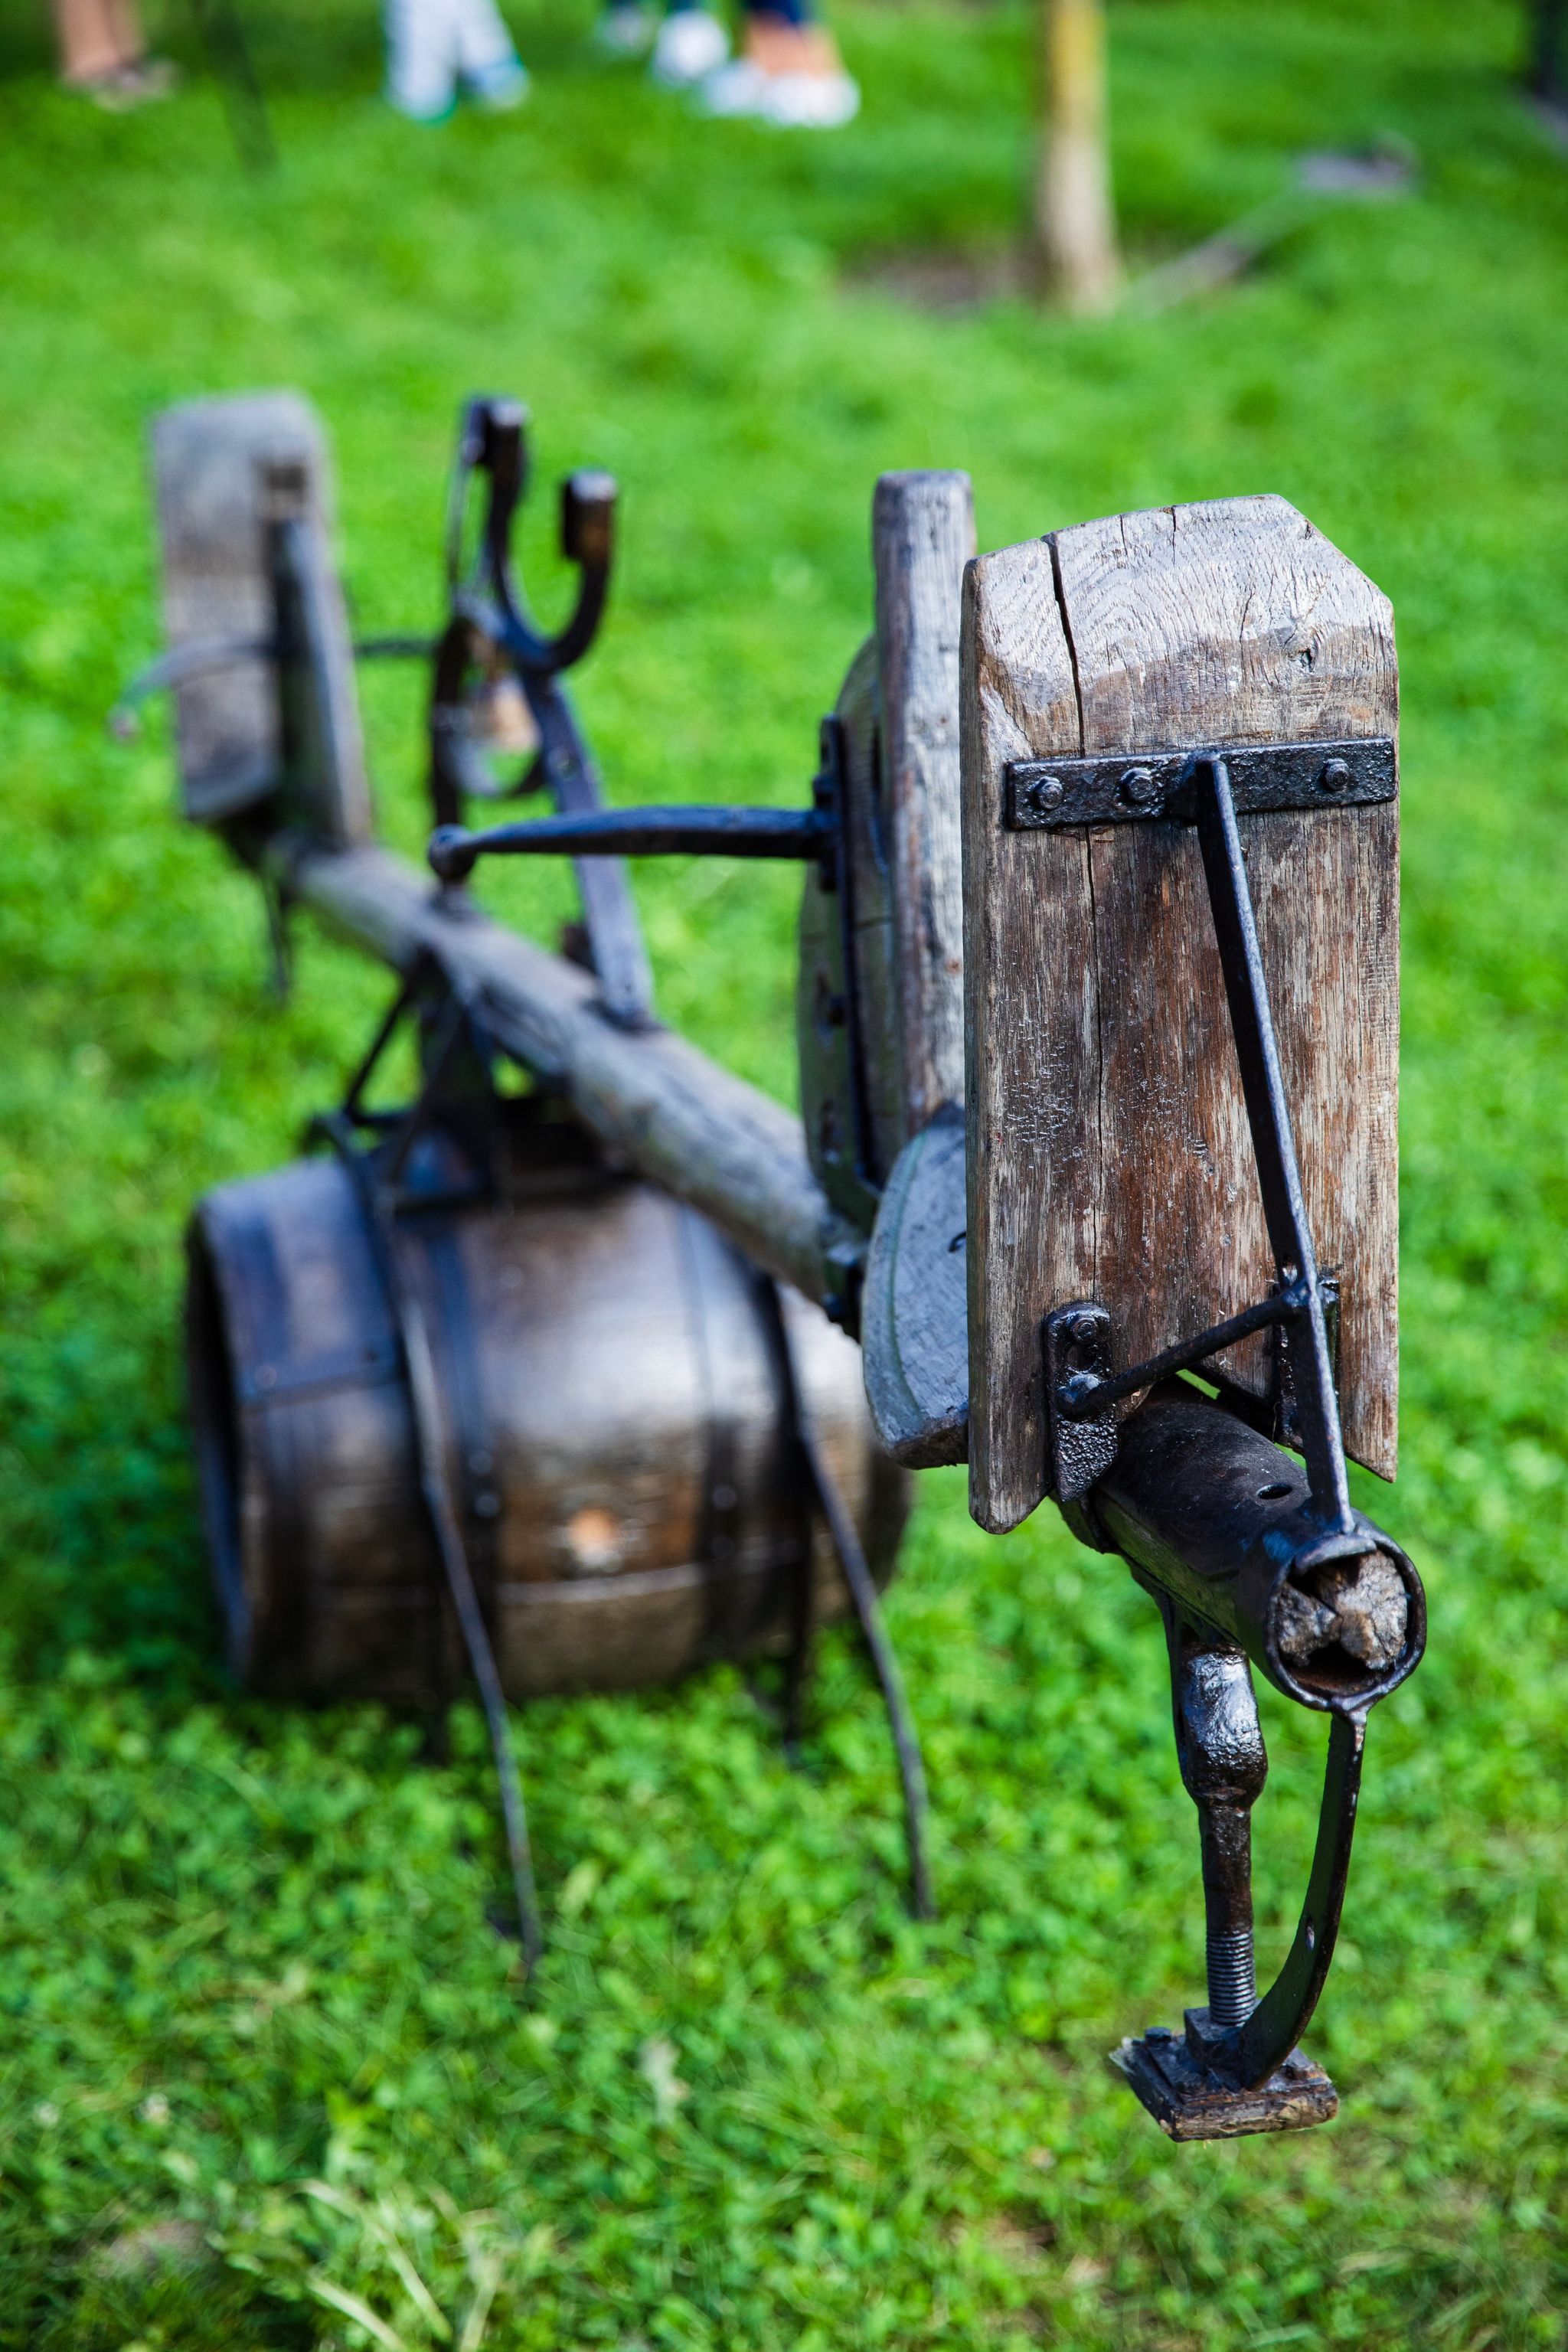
(269, 2078)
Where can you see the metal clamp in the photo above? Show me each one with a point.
(1126, 788)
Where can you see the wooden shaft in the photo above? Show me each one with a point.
(1074, 221)
(706, 1136)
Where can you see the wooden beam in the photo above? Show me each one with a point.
(706, 1136)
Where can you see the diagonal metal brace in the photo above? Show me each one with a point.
(1081, 1388)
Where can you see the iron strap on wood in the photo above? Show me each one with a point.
(1081, 1385)
(1123, 787)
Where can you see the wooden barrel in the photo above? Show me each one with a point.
(616, 1435)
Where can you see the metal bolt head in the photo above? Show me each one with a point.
(1046, 793)
(1336, 776)
(1084, 1328)
(1076, 1396)
(1136, 787)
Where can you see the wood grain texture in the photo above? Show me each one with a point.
(881, 1037)
(224, 471)
(922, 535)
(1109, 1151)
(705, 1135)
(611, 1412)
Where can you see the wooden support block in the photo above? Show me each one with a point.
(1107, 1147)
(230, 474)
(922, 535)
(881, 1007)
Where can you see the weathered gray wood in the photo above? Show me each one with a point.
(706, 1136)
(922, 535)
(227, 472)
(1109, 1150)
(881, 1046)
(914, 1333)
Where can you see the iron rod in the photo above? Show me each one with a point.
(693, 832)
(1269, 1117)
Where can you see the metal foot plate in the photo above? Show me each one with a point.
(1189, 2103)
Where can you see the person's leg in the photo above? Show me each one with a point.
(487, 62)
(97, 37)
(692, 43)
(421, 58)
(789, 71)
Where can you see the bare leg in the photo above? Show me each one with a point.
(789, 71)
(97, 37)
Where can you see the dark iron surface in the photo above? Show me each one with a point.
(1081, 1388)
(1245, 1557)
(1123, 788)
(693, 832)
(491, 632)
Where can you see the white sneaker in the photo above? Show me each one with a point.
(499, 87)
(808, 101)
(739, 87)
(692, 45)
(624, 30)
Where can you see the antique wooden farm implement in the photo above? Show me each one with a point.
(1097, 1028)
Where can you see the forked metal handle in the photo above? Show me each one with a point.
(494, 442)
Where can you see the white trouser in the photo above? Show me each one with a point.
(429, 43)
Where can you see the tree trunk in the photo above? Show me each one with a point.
(1075, 225)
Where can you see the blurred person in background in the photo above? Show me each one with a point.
(433, 48)
(103, 54)
(789, 71)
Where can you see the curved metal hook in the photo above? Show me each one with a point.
(194, 659)
(1249, 2054)
(494, 441)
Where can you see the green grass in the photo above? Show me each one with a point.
(243, 1946)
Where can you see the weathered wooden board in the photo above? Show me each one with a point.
(704, 1134)
(922, 535)
(881, 1044)
(1109, 1153)
(226, 473)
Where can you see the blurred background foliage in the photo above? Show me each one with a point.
(269, 2078)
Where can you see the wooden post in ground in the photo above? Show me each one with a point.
(1075, 223)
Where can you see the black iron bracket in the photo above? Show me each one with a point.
(1123, 788)
(1237, 2068)
(1083, 1390)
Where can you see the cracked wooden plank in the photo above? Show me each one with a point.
(1108, 1155)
